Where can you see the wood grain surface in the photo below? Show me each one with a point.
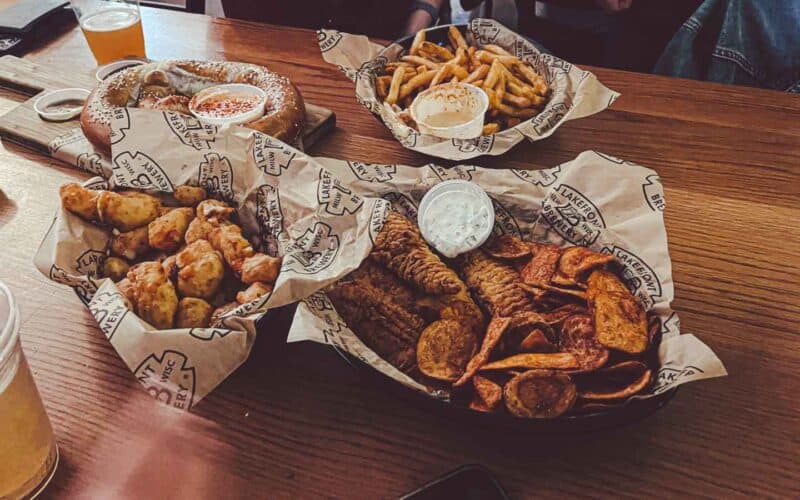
(302, 423)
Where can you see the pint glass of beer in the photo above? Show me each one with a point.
(113, 28)
(28, 451)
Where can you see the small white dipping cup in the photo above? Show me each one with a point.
(232, 88)
(455, 217)
(43, 104)
(451, 98)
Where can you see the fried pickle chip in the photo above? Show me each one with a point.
(578, 337)
(497, 327)
(542, 266)
(507, 247)
(489, 393)
(539, 394)
(535, 361)
(604, 281)
(620, 322)
(536, 341)
(444, 349)
(620, 381)
(575, 261)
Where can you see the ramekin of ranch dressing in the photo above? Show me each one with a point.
(450, 111)
(455, 217)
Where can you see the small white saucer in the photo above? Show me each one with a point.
(52, 98)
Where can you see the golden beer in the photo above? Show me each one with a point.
(113, 33)
(28, 452)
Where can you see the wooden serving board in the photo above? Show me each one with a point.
(22, 124)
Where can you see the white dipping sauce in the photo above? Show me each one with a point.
(455, 217)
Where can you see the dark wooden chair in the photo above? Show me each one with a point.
(196, 6)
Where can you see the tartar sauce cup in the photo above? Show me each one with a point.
(229, 91)
(455, 217)
(450, 111)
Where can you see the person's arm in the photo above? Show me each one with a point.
(423, 14)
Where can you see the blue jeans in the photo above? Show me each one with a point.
(744, 42)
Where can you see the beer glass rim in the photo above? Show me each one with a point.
(10, 330)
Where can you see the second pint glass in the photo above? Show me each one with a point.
(113, 28)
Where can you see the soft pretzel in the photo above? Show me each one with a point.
(167, 85)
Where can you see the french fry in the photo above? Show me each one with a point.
(512, 122)
(444, 72)
(460, 72)
(478, 73)
(520, 102)
(494, 74)
(433, 51)
(417, 82)
(479, 83)
(523, 113)
(490, 128)
(382, 86)
(460, 59)
(454, 80)
(422, 69)
(474, 62)
(418, 39)
(394, 86)
(488, 57)
(420, 61)
(534, 78)
(496, 49)
(500, 88)
(456, 38)
(390, 67)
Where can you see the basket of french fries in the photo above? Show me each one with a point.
(529, 93)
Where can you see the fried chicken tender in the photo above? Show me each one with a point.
(80, 201)
(260, 267)
(495, 284)
(155, 299)
(128, 293)
(128, 210)
(193, 313)
(200, 270)
(189, 196)
(130, 244)
(214, 210)
(235, 248)
(253, 292)
(400, 248)
(115, 268)
(166, 232)
(384, 326)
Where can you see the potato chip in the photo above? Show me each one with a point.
(527, 319)
(539, 394)
(478, 404)
(497, 327)
(558, 315)
(620, 381)
(578, 337)
(536, 341)
(604, 281)
(541, 291)
(620, 322)
(490, 393)
(506, 246)
(444, 349)
(575, 261)
(542, 266)
(535, 360)
(561, 280)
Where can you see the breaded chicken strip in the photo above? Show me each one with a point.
(494, 284)
(385, 327)
(80, 201)
(400, 248)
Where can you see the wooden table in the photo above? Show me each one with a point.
(303, 423)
